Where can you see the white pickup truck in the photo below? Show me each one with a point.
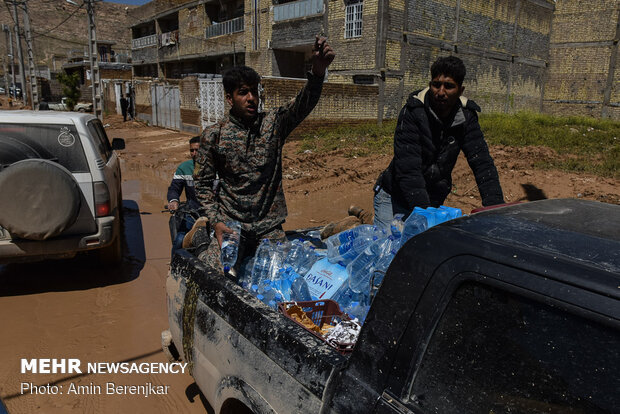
(62, 106)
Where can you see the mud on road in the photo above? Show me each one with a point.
(73, 309)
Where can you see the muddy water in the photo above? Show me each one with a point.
(75, 309)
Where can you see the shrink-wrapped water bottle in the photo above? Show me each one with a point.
(349, 235)
(397, 225)
(348, 251)
(377, 272)
(360, 269)
(325, 278)
(262, 260)
(415, 224)
(299, 290)
(430, 216)
(276, 257)
(453, 212)
(308, 259)
(441, 215)
(357, 311)
(295, 254)
(230, 245)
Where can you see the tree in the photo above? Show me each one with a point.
(70, 87)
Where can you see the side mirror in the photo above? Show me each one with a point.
(118, 144)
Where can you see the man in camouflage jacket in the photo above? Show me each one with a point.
(245, 151)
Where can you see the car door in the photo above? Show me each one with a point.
(497, 347)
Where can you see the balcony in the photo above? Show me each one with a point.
(223, 28)
(146, 41)
(297, 9)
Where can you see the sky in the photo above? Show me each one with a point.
(134, 2)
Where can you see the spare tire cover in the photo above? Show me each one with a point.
(39, 199)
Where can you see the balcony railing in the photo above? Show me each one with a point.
(146, 41)
(227, 27)
(297, 9)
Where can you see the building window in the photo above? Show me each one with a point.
(353, 20)
(364, 79)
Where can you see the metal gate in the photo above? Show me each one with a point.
(211, 101)
(166, 106)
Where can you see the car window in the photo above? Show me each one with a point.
(59, 143)
(101, 139)
(495, 352)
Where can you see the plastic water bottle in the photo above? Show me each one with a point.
(377, 272)
(276, 256)
(441, 215)
(299, 290)
(325, 278)
(230, 245)
(430, 215)
(360, 271)
(295, 254)
(245, 275)
(415, 224)
(397, 225)
(344, 296)
(349, 235)
(357, 310)
(348, 251)
(453, 212)
(262, 260)
(284, 281)
(308, 259)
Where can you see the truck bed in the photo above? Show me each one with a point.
(210, 314)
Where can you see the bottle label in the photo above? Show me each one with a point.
(325, 278)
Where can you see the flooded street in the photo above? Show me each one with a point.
(75, 309)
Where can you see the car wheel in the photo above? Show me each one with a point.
(40, 199)
(82, 110)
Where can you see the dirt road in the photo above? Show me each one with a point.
(71, 309)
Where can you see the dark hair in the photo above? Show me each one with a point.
(235, 77)
(194, 140)
(449, 66)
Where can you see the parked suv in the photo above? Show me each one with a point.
(60, 187)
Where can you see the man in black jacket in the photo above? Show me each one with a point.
(433, 127)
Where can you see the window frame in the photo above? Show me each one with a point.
(354, 20)
(457, 281)
(102, 143)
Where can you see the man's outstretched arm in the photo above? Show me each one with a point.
(299, 108)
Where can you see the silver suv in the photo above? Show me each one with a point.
(60, 187)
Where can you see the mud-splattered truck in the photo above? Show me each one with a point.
(510, 310)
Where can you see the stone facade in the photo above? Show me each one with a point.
(583, 76)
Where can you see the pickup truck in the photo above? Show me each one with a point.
(62, 106)
(510, 310)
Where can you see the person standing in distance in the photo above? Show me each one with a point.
(245, 151)
(434, 126)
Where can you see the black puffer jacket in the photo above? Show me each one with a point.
(426, 150)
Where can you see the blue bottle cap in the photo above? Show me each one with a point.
(226, 269)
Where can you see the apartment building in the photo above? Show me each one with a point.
(387, 43)
(174, 38)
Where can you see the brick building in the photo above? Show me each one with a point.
(385, 46)
(583, 75)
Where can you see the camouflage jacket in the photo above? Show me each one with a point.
(248, 162)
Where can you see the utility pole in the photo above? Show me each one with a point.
(9, 48)
(93, 53)
(20, 56)
(34, 90)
